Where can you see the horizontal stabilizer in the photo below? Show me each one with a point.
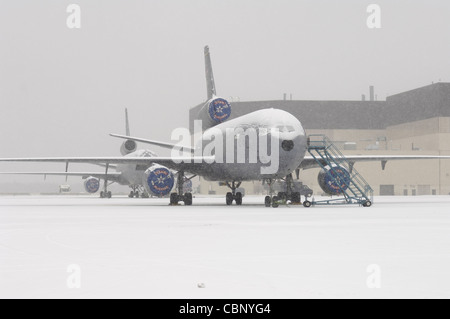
(156, 143)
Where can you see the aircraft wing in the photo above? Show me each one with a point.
(110, 166)
(309, 162)
(194, 165)
(156, 143)
(110, 176)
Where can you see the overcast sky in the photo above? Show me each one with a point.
(63, 90)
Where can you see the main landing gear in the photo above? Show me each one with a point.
(105, 193)
(233, 196)
(176, 198)
(283, 198)
(138, 192)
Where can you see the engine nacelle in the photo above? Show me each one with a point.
(158, 181)
(219, 110)
(92, 185)
(215, 111)
(334, 181)
(128, 147)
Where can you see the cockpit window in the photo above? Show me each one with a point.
(286, 129)
(287, 145)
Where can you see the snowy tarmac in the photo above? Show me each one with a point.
(145, 249)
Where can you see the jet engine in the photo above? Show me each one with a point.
(335, 180)
(158, 181)
(92, 185)
(215, 111)
(128, 147)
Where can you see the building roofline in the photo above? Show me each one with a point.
(439, 84)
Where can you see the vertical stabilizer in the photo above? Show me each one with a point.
(210, 85)
(127, 124)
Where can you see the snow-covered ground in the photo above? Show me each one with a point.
(144, 248)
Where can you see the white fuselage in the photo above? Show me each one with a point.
(291, 144)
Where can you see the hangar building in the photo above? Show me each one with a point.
(416, 122)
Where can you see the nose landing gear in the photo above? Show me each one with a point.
(233, 196)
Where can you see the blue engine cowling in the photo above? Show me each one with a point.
(334, 181)
(92, 185)
(158, 181)
(219, 110)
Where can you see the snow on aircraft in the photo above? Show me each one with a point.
(283, 131)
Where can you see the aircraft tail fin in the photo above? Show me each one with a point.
(210, 84)
(127, 124)
(129, 146)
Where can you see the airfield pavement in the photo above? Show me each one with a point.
(86, 247)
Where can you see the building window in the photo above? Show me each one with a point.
(387, 190)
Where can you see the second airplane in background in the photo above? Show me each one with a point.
(145, 181)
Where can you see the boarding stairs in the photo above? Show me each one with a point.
(353, 188)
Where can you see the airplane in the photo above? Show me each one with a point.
(287, 138)
(130, 175)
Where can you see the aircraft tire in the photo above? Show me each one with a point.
(239, 199)
(188, 199)
(174, 199)
(229, 199)
(275, 203)
(268, 201)
(296, 198)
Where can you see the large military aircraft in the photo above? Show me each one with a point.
(247, 155)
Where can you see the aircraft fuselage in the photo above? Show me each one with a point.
(282, 155)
